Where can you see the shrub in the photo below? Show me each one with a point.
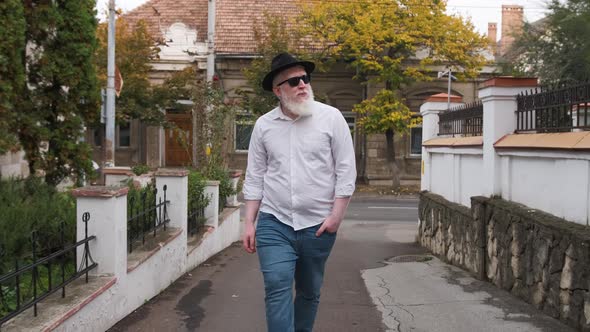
(140, 169)
(32, 205)
(225, 186)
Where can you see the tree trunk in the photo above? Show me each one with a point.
(389, 134)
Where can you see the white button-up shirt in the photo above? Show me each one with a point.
(298, 167)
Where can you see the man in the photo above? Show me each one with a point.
(300, 176)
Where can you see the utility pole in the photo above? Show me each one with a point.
(448, 73)
(210, 40)
(109, 144)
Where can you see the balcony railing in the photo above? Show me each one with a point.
(554, 109)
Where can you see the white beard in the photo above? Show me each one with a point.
(300, 108)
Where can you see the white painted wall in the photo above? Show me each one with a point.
(156, 273)
(456, 173)
(557, 183)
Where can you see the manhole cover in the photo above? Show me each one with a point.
(410, 258)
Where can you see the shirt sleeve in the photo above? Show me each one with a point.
(344, 158)
(254, 182)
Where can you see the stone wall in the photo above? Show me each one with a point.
(450, 232)
(542, 259)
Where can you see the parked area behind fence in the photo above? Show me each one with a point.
(131, 245)
(512, 203)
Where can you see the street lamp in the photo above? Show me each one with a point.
(451, 77)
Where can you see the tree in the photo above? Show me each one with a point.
(12, 70)
(135, 49)
(556, 48)
(62, 93)
(392, 42)
(272, 36)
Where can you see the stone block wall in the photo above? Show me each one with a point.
(542, 259)
(449, 231)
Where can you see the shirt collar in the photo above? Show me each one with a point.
(277, 114)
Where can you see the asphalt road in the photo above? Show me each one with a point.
(226, 293)
(383, 209)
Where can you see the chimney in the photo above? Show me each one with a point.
(512, 22)
(493, 35)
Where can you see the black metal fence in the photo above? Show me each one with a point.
(196, 214)
(466, 120)
(29, 284)
(560, 108)
(146, 216)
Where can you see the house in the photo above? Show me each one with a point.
(183, 24)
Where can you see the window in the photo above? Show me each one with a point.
(350, 119)
(124, 135)
(416, 141)
(244, 125)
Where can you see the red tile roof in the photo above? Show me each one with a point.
(160, 14)
(235, 19)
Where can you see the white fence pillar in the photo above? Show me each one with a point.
(234, 175)
(176, 182)
(429, 111)
(212, 209)
(113, 176)
(107, 207)
(499, 118)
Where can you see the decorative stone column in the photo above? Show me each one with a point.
(429, 111)
(499, 118)
(107, 208)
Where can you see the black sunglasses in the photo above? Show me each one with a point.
(294, 81)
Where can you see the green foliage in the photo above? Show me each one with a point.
(557, 48)
(12, 69)
(31, 205)
(140, 169)
(196, 188)
(139, 198)
(62, 92)
(218, 173)
(380, 40)
(212, 116)
(8, 301)
(271, 37)
(135, 49)
(384, 111)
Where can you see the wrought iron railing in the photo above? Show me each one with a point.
(554, 109)
(196, 214)
(30, 284)
(466, 120)
(146, 216)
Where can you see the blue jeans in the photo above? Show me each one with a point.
(285, 256)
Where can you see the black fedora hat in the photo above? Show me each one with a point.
(282, 62)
